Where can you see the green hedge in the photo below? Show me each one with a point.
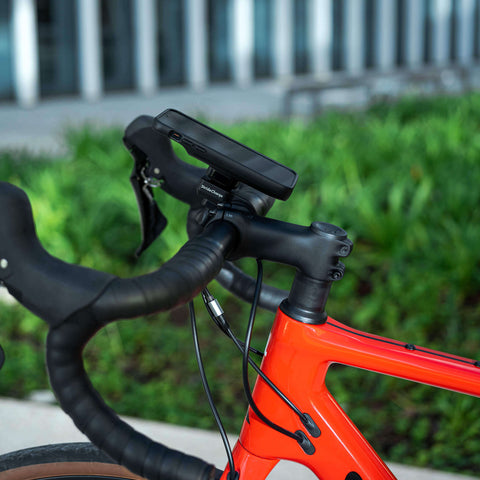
(403, 180)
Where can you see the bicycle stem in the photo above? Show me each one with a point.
(314, 251)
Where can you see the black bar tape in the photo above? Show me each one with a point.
(176, 282)
(47, 286)
(99, 423)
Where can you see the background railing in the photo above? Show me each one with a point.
(91, 47)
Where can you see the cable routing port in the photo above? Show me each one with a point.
(175, 136)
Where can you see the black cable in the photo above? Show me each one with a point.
(217, 315)
(208, 393)
(246, 382)
(222, 323)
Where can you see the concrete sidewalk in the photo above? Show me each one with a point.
(26, 424)
(40, 129)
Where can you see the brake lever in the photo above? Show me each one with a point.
(152, 220)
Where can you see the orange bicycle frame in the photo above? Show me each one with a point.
(297, 359)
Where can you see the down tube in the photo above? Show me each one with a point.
(297, 360)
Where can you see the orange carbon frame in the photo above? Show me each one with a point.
(297, 359)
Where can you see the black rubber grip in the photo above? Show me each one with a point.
(176, 282)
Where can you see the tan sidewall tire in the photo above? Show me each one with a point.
(52, 470)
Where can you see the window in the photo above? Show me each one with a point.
(263, 52)
(370, 30)
(427, 32)
(401, 32)
(6, 74)
(117, 43)
(338, 57)
(476, 30)
(171, 41)
(219, 36)
(301, 46)
(57, 42)
(454, 30)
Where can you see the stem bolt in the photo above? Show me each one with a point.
(4, 263)
(328, 230)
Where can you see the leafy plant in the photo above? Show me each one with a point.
(401, 179)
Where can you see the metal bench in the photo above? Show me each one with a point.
(379, 85)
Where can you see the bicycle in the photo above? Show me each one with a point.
(291, 413)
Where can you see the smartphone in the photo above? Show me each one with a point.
(226, 155)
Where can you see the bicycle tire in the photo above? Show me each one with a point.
(68, 461)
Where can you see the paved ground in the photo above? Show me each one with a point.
(40, 128)
(25, 424)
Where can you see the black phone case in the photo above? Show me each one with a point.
(226, 155)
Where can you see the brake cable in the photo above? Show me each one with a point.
(246, 382)
(217, 315)
(208, 393)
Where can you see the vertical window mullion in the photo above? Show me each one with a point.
(385, 43)
(465, 30)
(25, 48)
(243, 41)
(145, 46)
(441, 11)
(320, 15)
(355, 35)
(414, 18)
(89, 45)
(196, 43)
(283, 38)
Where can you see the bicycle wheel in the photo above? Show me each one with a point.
(69, 461)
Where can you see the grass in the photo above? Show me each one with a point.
(402, 179)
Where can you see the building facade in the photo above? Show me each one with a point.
(89, 48)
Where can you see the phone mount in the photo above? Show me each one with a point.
(234, 171)
(215, 187)
(230, 162)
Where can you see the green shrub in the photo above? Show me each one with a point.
(403, 180)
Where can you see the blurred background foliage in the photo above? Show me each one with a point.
(402, 179)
